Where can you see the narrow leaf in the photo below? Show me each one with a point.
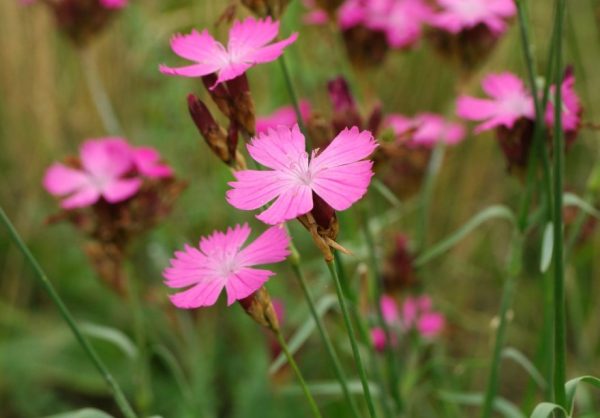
(112, 336)
(82, 413)
(546, 410)
(526, 364)
(501, 405)
(571, 388)
(547, 247)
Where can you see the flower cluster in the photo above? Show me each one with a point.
(416, 314)
(112, 192)
(465, 30)
(510, 110)
(335, 176)
(223, 72)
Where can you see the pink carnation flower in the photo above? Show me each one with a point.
(457, 15)
(429, 129)
(220, 262)
(314, 15)
(110, 169)
(248, 45)
(509, 101)
(285, 116)
(571, 105)
(400, 20)
(338, 174)
(417, 314)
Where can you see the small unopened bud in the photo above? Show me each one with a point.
(345, 112)
(516, 144)
(366, 48)
(325, 217)
(260, 308)
(242, 105)
(264, 8)
(214, 135)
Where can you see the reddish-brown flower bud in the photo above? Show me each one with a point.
(330, 6)
(516, 145)
(242, 105)
(260, 308)
(215, 136)
(399, 273)
(345, 112)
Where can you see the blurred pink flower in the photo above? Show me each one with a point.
(510, 101)
(338, 174)
(416, 314)
(457, 15)
(220, 262)
(285, 116)
(110, 168)
(105, 163)
(314, 15)
(248, 45)
(571, 105)
(400, 20)
(429, 129)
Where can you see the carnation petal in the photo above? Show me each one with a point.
(119, 190)
(254, 189)
(270, 247)
(343, 186)
(245, 282)
(83, 197)
(293, 202)
(277, 148)
(347, 147)
(61, 180)
(204, 293)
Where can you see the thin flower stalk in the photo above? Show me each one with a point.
(292, 362)
(113, 385)
(294, 261)
(560, 337)
(514, 267)
(393, 377)
(352, 337)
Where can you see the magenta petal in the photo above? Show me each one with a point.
(389, 309)
(254, 189)
(295, 201)
(245, 282)
(343, 186)
(277, 148)
(270, 247)
(119, 190)
(60, 180)
(347, 147)
(106, 157)
(84, 197)
(204, 293)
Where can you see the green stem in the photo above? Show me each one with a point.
(558, 255)
(292, 362)
(116, 390)
(339, 372)
(394, 380)
(352, 337)
(507, 297)
(294, 98)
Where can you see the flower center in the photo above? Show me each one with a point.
(300, 170)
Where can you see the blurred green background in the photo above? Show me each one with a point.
(214, 362)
